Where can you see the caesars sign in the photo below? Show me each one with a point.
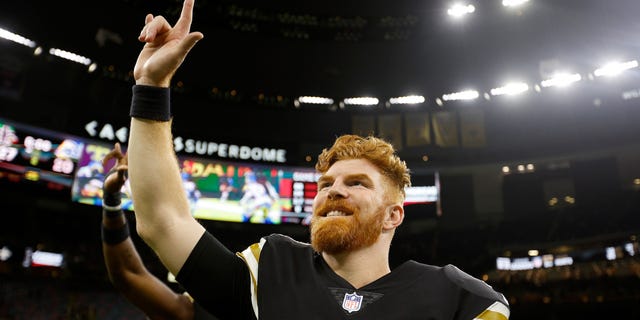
(192, 146)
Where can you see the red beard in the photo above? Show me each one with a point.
(335, 235)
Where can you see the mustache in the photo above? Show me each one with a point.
(335, 205)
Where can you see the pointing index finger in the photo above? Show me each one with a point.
(186, 16)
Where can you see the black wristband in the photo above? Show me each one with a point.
(152, 103)
(111, 199)
(114, 236)
(113, 213)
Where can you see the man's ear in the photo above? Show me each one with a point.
(395, 216)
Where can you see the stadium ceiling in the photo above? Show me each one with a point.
(342, 49)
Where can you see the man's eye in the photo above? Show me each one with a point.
(324, 185)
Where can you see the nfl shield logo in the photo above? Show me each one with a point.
(352, 302)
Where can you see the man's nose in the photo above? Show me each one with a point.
(337, 191)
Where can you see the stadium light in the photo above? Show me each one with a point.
(5, 34)
(413, 99)
(513, 3)
(462, 95)
(510, 89)
(615, 68)
(315, 100)
(361, 101)
(459, 10)
(70, 56)
(561, 80)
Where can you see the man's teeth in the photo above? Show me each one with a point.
(336, 214)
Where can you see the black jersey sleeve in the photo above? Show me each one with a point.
(199, 313)
(217, 279)
(478, 300)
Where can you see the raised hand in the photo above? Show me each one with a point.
(117, 176)
(165, 47)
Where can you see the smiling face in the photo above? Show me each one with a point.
(350, 207)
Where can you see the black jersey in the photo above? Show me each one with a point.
(286, 279)
(199, 313)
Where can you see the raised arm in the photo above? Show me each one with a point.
(162, 210)
(126, 270)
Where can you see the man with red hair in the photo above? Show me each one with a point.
(344, 272)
